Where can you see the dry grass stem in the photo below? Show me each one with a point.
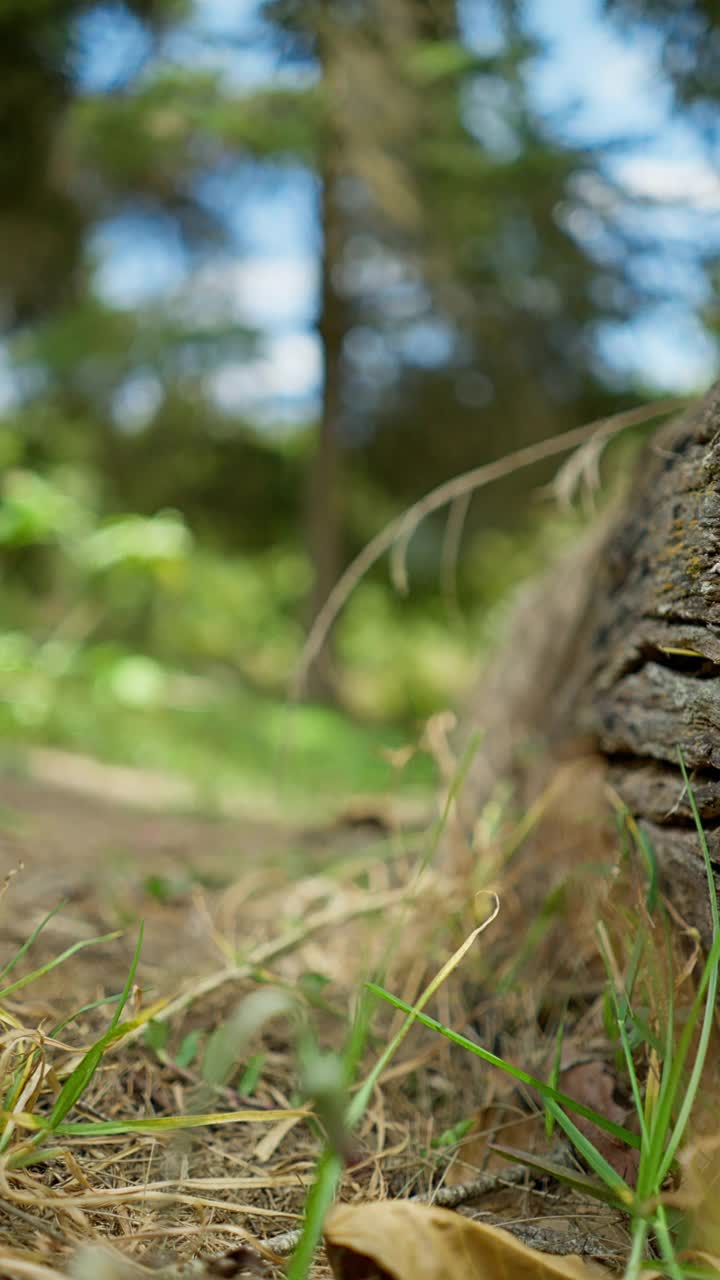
(400, 531)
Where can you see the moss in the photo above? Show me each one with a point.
(694, 567)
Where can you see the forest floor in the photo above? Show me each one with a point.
(237, 910)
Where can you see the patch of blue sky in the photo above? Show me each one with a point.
(138, 260)
(596, 82)
(668, 344)
(109, 44)
(230, 38)
(267, 208)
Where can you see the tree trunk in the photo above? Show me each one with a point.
(324, 511)
(619, 651)
(324, 519)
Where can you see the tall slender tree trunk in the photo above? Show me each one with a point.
(324, 508)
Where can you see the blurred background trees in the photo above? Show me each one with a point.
(184, 480)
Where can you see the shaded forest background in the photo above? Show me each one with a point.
(162, 551)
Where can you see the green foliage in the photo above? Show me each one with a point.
(275, 124)
(111, 615)
(224, 739)
(432, 61)
(188, 1048)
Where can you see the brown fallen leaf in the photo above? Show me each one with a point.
(475, 1152)
(593, 1083)
(397, 1240)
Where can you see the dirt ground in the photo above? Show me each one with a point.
(98, 857)
(229, 906)
(210, 892)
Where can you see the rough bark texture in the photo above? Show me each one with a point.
(655, 656)
(620, 649)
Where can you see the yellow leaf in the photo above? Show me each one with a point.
(406, 1241)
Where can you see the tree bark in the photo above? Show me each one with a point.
(618, 651)
(324, 518)
(324, 503)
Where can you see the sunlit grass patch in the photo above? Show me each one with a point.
(229, 742)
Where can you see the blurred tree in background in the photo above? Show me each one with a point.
(469, 256)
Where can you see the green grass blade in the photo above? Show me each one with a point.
(75, 1085)
(650, 860)
(319, 1201)
(560, 1173)
(362, 1097)
(710, 980)
(331, 1164)
(554, 1076)
(86, 1008)
(79, 1079)
(29, 941)
(25, 1157)
(358, 1038)
(621, 1007)
(169, 1124)
(668, 1095)
(453, 791)
(57, 960)
(129, 980)
(546, 1092)
(590, 1153)
(714, 909)
(671, 1267)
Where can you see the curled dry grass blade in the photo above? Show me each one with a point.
(400, 531)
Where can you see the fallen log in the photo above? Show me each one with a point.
(617, 652)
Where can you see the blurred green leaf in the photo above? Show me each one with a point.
(251, 1074)
(228, 1043)
(188, 1048)
(156, 1035)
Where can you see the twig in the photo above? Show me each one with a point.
(284, 1243)
(443, 1197)
(451, 1197)
(401, 530)
(463, 1192)
(558, 1243)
